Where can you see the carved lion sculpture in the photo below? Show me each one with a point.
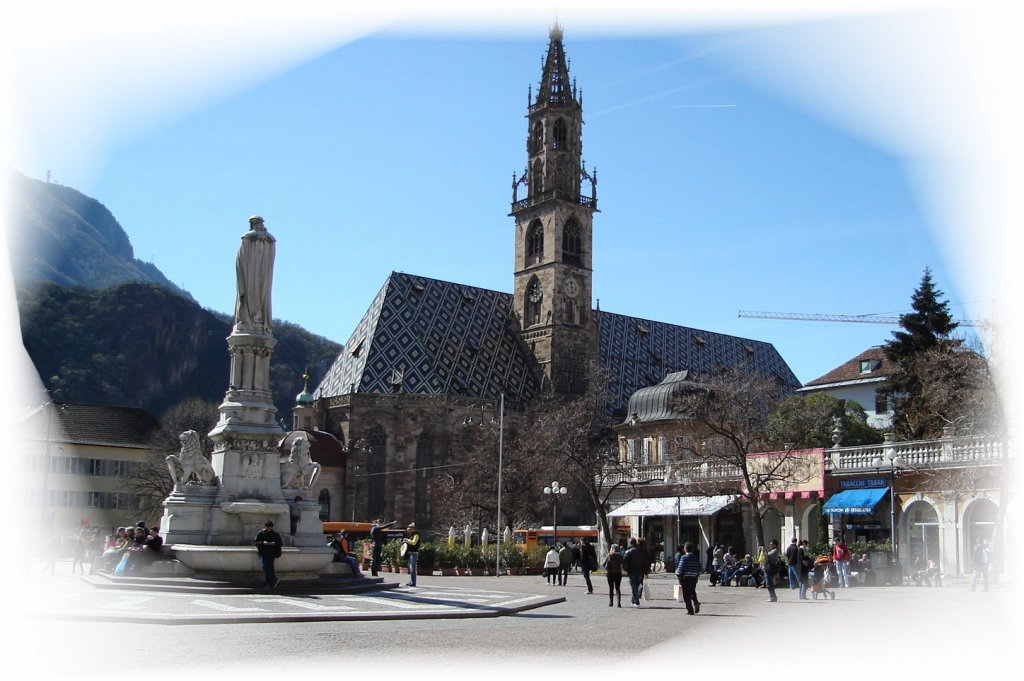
(299, 471)
(195, 469)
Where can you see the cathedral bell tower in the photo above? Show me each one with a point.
(554, 231)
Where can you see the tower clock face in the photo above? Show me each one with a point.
(572, 287)
(535, 293)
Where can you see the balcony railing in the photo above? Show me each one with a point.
(671, 473)
(588, 201)
(951, 451)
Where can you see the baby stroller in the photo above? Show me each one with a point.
(821, 576)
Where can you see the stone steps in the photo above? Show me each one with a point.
(170, 584)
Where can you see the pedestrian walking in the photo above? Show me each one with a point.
(551, 565)
(980, 558)
(588, 562)
(613, 569)
(773, 561)
(565, 560)
(635, 565)
(268, 546)
(806, 562)
(687, 572)
(841, 557)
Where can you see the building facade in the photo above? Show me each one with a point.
(78, 458)
(861, 380)
(430, 355)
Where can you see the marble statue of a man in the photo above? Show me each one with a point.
(255, 269)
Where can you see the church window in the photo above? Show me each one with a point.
(561, 134)
(537, 138)
(376, 463)
(534, 243)
(571, 243)
(536, 185)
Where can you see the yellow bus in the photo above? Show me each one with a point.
(527, 539)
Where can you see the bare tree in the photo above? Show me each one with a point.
(467, 494)
(728, 413)
(578, 440)
(151, 479)
(957, 389)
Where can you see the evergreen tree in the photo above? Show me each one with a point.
(925, 330)
(926, 327)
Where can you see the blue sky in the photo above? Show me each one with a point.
(754, 161)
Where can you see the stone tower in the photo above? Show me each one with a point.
(554, 231)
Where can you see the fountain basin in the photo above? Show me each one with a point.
(242, 563)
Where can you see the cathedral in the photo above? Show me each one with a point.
(427, 353)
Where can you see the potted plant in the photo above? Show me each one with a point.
(513, 558)
(447, 560)
(426, 559)
(391, 557)
(535, 559)
(475, 561)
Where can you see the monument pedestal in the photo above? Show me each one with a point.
(211, 529)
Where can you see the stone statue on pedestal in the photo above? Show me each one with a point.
(255, 269)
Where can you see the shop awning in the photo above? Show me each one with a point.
(854, 501)
(656, 506)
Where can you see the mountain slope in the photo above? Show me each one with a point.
(60, 235)
(105, 328)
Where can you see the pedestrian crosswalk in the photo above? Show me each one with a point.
(436, 601)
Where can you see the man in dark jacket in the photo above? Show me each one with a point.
(636, 565)
(268, 546)
(588, 562)
(771, 567)
(793, 563)
(565, 560)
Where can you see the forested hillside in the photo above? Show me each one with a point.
(142, 345)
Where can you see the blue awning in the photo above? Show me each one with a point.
(854, 501)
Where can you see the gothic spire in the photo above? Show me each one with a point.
(555, 87)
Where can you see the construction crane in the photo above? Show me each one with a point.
(855, 318)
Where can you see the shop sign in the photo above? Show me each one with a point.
(863, 483)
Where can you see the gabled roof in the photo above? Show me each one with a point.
(94, 424)
(850, 371)
(431, 337)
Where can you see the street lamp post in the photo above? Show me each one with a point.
(555, 491)
(892, 463)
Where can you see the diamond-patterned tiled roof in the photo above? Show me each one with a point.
(437, 337)
(639, 353)
(434, 338)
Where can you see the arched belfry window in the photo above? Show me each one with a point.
(561, 134)
(534, 296)
(534, 243)
(537, 178)
(537, 138)
(572, 244)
